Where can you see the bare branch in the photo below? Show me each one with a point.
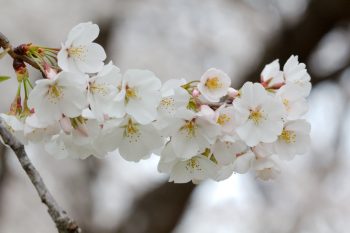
(63, 222)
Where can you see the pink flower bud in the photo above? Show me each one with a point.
(49, 72)
(82, 130)
(195, 93)
(231, 92)
(66, 125)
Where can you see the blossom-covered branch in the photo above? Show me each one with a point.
(201, 129)
(63, 222)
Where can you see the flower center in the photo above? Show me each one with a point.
(190, 128)
(223, 119)
(287, 136)
(131, 129)
(97, 88)
(130, 93)
(192, 164)
(213, 83)
(167, 102)
(256, 116)
(286, 103)
(55, 93)
(77, 52)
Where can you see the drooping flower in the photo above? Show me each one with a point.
(37, 131)
(133, 140)
(79, 53)
(214, 84)
(197, 168)
(266, 168)
(226, 152)
(262, 115)
(80, 143)
(65, 94)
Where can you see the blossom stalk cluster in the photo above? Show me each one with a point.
(202, 129)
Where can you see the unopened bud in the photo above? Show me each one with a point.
(195, 93)
(231, 92)
(49, 72)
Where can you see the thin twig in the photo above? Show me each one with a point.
(5, 44)
(63, 222)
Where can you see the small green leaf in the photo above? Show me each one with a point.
(4, 78)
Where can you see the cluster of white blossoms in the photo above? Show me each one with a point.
(201, 129)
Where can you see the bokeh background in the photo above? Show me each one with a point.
(182, 39)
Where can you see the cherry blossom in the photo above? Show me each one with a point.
(79, 53)
(214, 84)
(65, 94)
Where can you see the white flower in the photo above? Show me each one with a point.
(294, 103)
(139, 96)
(295, 72)
(226, 152)
(36, 131)
(174, 97)
(65, 94)
(190, 134)
(272, 75)
(214, 84)
(78, 53)
(228, 120)
(134, 141)
(79, 143)
(243, 162)
(102, 91)
(261, 115)
(266, 168)
(197, 168)
(294, 139)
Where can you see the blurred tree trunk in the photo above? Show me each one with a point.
(301, 38)
(158, 210)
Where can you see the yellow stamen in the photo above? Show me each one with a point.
(256, 116)
(287, 136)
(213, 83)
(286, 103)
(98, 88)
(192, 164)
(131, 128)
(131, 93)
(190, 128)
(223, 119)
(77, 52)
(55, 93)
(166, 102)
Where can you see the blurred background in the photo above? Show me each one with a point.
(182, 39)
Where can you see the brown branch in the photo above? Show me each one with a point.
(5, 44)
(63, 222)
